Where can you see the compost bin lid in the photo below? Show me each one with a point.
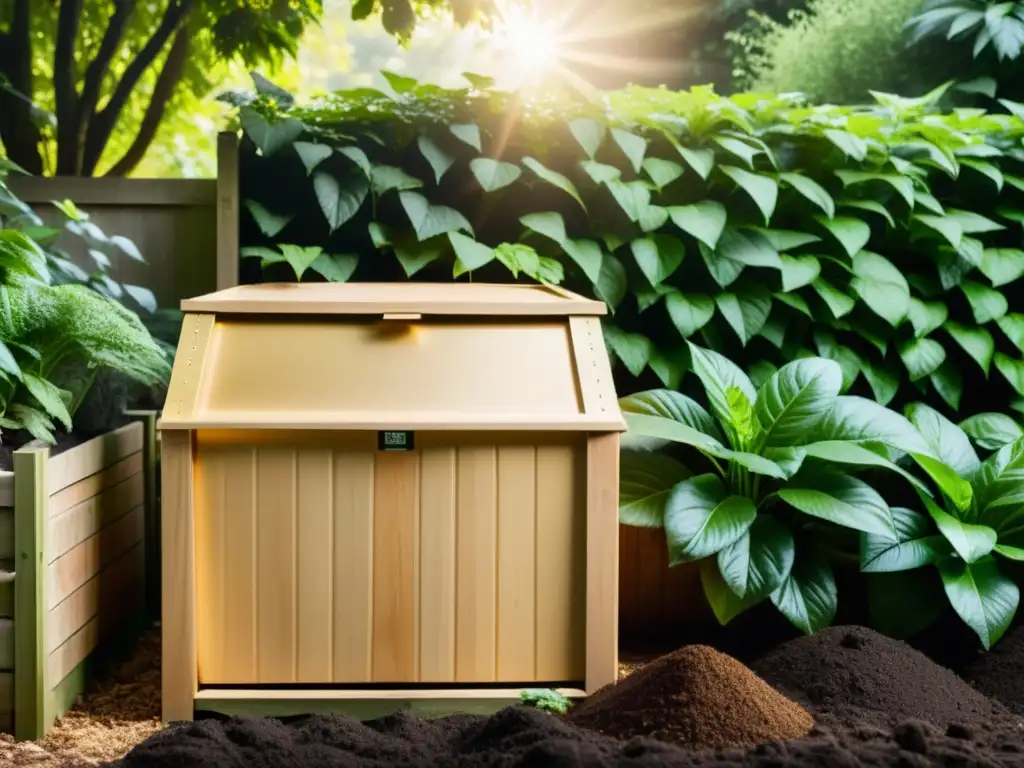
(395, 298)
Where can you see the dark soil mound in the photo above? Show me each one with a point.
(525, 738)
(1000, 672)
(853, 676)
(696, 697)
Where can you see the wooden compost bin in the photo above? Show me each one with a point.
(73, 565)
(380, 497)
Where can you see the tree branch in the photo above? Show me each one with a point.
(166, 82)
(99, 130)
(65, 75)
(97, 71)
(17, 130)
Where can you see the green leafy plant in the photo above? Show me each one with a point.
(783, 461)
(546, 699)
(986, 24)
(972, 519)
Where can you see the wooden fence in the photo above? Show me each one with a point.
(172, 221)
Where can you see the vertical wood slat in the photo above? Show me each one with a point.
(228, 206)
(315, 546)
(437, 565)
(276, 571)
(395, 532)
(31, 499)
(353, 607)
(516, 553)
(559, 531)
(602, 570)
(238, 553)
(211, 511)
(178, 567)
(476, 564)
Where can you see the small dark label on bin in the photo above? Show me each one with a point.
(395, 441)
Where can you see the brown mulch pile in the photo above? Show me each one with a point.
(695, 697)
(1000, 672)
(122, 710)
(853, 676)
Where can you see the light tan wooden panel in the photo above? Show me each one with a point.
(211, 496)
(92, 485)
(75, 525)
(516, 550)
(353, 566)
(561, 537)
(476, 565)
(315, 550)
(395, 567)
(238, 651)
(74, 568)
(275, 565)
(93, 456)
(437, 565)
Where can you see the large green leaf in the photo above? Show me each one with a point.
(973, 223)
(336, 267)
(956, 488)
(340, 201)
(922, 357)
(269, 137)
(992, 431)
(949, 383)
(717, 373)
(725, 604)
(722, 270)
(645, 480)
(658, 256)
(999, 485)
(757, 563)
(746, 310)
(662, 172)
(385, 178)
(589, 133)
(984, 598)
(945, 440)
(50, 397)
(926, 316)
(704, 221)
(750, 248)
(440, 161)
(976, 342)
(839, 452)
(763, 190)
(1012, 370)
(902, 184)
(915, 545)
(883, 379)
(669, 404)
(633, 147)
(470, 255)
(300, 258)
(987, 304)
(853, 234)
(972, 542)
(432, 220)
(812, 191)
(701, 518)
(793, 401)
(494, 174)
(270, 224)
(808, 597)
(881, 286)
(1013, 326)
(468, 133)
(799, 271)
(311, 154)
(859, 420)
(839, 303)
(689, 311)
(634, 350)
(554, 178)
(839, 498)
(613, 284)
(1002, 265)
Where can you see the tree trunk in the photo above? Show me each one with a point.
(17, 128)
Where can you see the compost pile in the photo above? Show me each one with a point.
(696, 697)
(881, 704)
(1000, 672)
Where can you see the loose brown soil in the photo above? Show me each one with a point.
(1000, 672)
(695, 697)
(853, 676)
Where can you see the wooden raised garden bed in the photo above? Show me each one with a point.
(75, 538)
(381, 497)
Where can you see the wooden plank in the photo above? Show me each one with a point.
(238, 657)
(276, 581)
(179, 666)
(96, 595)
(476, 565)
(73, 569)
(211, 495)
(395, 533)
(6, 645)
(187, 372)
(6, 589)
(88, 487)
(561, 534)
(362, 704)
(353, 566)
(6, 489)
(594, 370)
(602, 561)
(315, 542)
(122, 594)
(149, 469)
(29, 516)
(112, 191)
(228, 254)
(437, 565)
(73, 526)
(6, 533)
(93, 456)
(6, 702)
(516, 543)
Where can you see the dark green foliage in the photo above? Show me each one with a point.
(886, 238)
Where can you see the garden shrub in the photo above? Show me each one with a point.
(60, 326)
(886, 238)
